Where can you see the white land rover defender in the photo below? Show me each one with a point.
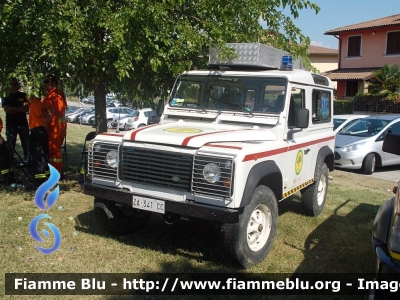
(233, 141)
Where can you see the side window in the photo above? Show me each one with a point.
(297, 100)
(394, 128)
(321, 106)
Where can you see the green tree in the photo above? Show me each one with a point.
(134, 47)
(386, 83)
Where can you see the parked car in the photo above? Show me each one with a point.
(71, 109)
(137, 118)
(386, 229)
(85, 119)
(340, 121)
(359, 146)
(112, 113)
(153, 118)
(88, 111)
(71, 116)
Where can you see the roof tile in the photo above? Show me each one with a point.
(382, 22)
(351, 74)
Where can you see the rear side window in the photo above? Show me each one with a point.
(321, 106)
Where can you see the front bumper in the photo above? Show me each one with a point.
(349, 160)
(386, 265)
(186, 208)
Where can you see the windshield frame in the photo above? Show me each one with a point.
(245, 94)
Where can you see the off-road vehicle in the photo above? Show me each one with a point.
(233, 141)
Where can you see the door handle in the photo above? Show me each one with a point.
(307, 150)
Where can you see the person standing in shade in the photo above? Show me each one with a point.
(6, 171)
(16, 107)
(56, 104)
(38, 140)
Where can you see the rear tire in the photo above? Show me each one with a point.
(313, 197)
(249, 241)
(119, 220)
(126, 126)
(141, 125)
(369, 164)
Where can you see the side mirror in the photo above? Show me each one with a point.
(160, 107)
(302, 118)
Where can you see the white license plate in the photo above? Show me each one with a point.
(148, 204)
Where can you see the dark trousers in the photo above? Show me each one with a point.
(23, 132)
(39, 149)
(6, 170)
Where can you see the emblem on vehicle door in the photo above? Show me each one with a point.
(175, 179)
(299, 162)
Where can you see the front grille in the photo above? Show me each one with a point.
(157, 168)
(222, 188)
(97, 165)
(337, 156)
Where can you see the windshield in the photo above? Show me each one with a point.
(365, 127)
(230, 93)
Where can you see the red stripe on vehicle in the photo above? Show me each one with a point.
(187, 140)
(223, 146)
(134, 133)
(259, 155)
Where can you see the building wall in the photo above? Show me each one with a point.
(324, 63)
(373, 49)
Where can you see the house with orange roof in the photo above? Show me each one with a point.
(323, 59)
(363, 48)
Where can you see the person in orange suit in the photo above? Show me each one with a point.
(38, 139)
(56, 103)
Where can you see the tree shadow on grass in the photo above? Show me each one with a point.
(195, 239)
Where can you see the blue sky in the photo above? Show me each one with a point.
(338, 13)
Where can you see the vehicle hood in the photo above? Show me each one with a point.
(344, 140)
(190, 134)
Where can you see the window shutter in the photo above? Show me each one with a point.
(393, 43)
(354, 47)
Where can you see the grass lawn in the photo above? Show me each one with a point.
(337, 241)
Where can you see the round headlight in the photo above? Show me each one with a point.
(112, 159)
(211, 172)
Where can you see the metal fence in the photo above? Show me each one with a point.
(374, 104)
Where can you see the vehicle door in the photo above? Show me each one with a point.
(298, 156)
(389, 158)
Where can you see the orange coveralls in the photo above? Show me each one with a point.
(57, 127)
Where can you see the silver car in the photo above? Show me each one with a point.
(340, 121)
(359, 146)
(71, 116)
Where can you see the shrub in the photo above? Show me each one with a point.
(342, 107)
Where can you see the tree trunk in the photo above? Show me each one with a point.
(100, 107)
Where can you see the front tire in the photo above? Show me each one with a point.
(119, 220)
(313, 197)
(249, 241)
(369, 164)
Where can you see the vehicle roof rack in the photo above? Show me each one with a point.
(254, 56)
